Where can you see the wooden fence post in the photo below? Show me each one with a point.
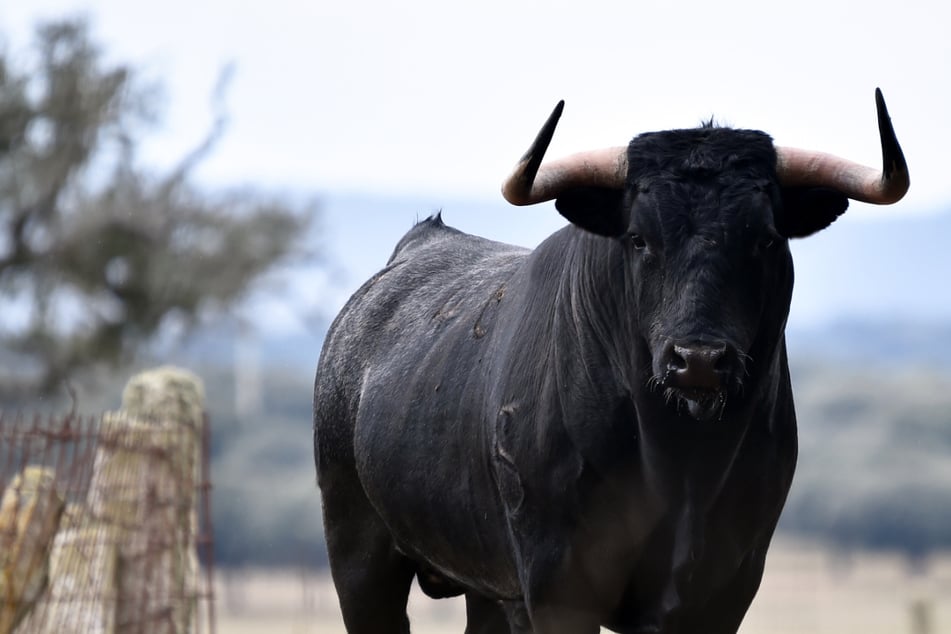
(124, 559)
(29, 516)
(145, 486)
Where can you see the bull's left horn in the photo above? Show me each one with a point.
(797, 167)
(531, 182)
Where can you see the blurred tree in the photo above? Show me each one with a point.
(98, 254)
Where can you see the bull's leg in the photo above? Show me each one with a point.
(485, 616)
(725, 610)
(558, 601)
(548, 619)
(372, 579)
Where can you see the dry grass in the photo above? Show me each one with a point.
(806, 590)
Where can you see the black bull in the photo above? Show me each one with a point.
(597, 432)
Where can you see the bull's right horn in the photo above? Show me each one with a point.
(858, 182)
(531, 182)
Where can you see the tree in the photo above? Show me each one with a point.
(97, 253)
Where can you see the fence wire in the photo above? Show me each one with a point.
(105, 526)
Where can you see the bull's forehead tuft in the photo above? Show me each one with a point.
(702, 153)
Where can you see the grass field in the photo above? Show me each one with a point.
(806, 590)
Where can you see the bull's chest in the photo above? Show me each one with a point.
(637, 531)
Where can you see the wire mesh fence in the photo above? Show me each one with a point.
(105, 522)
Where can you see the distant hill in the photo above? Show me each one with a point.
(865, 344)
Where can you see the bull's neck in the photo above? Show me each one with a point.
(588, 333)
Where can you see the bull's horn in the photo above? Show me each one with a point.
(858, 182)
(531, 183)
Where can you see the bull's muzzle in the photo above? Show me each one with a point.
(699, 376)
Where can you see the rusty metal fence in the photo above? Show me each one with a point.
(105, 522)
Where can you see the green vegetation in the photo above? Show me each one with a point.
(874, 457)
(266, 508)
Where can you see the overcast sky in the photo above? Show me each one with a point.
(439, 99)
(443, 97)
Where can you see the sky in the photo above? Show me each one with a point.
(438, 100)
(444, 97)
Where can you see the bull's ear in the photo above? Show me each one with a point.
(807, 210)
(596, 209)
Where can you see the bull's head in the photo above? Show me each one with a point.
(704, 216)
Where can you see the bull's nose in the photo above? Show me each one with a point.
(696, 366)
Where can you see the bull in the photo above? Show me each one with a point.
(596, 432)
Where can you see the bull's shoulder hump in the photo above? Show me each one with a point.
(434, 259)
(433, 265)
(432, 237)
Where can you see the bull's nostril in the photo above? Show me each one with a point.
(676, 362)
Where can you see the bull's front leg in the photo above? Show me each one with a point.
(491, 616)
(724, 611)
(554, 619)
(559, 598)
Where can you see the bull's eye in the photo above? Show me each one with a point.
(637, 241)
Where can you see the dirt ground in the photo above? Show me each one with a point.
(806, 590)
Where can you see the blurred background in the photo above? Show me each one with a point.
(206, 183)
